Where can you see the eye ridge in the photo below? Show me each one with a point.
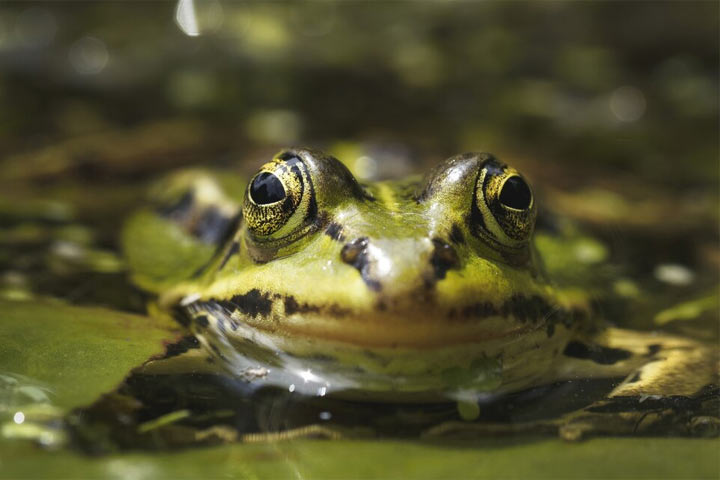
(515, 193)
(266, 188)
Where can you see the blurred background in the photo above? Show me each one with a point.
(629, 87)
(610, 108)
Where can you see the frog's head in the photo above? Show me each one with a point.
(420, 262)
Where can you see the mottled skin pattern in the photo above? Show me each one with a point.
(424, 287)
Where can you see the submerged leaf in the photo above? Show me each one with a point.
(526, 458)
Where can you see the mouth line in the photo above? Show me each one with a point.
(376, 332)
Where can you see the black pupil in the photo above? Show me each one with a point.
(266, 188)
(515, 193)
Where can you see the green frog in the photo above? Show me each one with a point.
(426, 289)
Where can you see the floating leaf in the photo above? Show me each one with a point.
(79, 353)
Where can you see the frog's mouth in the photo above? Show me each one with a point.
(411, 324)
(365, 355)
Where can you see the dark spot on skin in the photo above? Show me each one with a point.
(527, 308)
(334, 231)
(444, 258)
(256, 303)
(202, 321)
(523, 308)
(533, 309)
(229, 230)
(253, 303)
(480, 310)
(322, 220)
(234, 249)
(211, 226)
(653, 349)
(181, 315)
(456, 235)
(596, 353)
(186, 343)
(355, 254)
(352, 251)
(292, 306)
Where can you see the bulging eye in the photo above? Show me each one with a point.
(266, 188)
(278, 198)
(504, 206)
(515, 193)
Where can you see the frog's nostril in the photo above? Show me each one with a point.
(352, 251)
(443, 258)
(355, 253)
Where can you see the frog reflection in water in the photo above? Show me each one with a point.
(421, 290)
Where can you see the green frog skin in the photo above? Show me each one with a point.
(421, 290)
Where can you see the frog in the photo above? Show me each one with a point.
(419, 290)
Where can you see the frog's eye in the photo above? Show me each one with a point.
(504, 206)
(515, 193)
(266, 188)
(278, 198)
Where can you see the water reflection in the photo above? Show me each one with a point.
(195, 19)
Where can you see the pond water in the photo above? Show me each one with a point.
(609, 109)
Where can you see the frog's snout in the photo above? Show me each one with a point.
(397, 266)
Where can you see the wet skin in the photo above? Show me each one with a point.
(422, 289)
